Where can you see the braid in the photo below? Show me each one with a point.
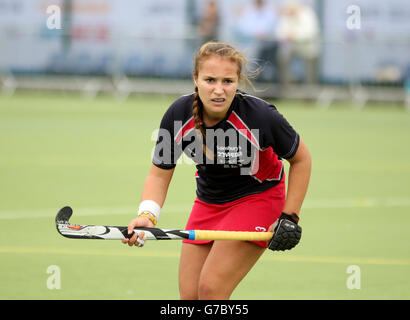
(196, 112)
(200, 131)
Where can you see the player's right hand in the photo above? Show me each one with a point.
(138, 238)
(287, 233)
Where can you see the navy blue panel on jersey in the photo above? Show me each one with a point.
(247, 145)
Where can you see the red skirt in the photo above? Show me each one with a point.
(256, 212)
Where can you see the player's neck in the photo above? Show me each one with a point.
(211, 120)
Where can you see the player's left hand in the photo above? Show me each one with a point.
(286, 233)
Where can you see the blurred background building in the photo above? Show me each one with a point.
(318, 49)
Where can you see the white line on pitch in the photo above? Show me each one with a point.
(185, 208)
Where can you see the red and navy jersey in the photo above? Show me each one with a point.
(247, 145)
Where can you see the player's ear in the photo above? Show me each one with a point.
(195, 78)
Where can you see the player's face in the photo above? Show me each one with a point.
(217, 81)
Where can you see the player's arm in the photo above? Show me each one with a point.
(153, 197)
(287, 232)
(298, 179)
(156, 184)
(288, 145)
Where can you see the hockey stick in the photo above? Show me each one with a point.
(66, 229)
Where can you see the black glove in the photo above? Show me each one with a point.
(286, 234)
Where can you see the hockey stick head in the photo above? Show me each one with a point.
(76, 231)
(64, 215)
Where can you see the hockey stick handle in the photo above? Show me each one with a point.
(231, 235)
(164, 234)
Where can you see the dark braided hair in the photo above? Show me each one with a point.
(200, 131)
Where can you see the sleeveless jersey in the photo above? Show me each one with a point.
(247, 145)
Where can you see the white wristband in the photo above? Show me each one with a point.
(151, 207)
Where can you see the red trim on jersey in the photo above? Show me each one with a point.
(239, 125)
(185, 130)
(266, 166)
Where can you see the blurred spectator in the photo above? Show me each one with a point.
(298, 35)
(208, 27)
(257, 24)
